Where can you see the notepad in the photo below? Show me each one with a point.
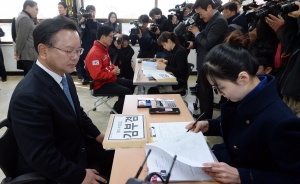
(191, 150)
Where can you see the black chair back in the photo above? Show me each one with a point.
(190, 69)
(8, 150)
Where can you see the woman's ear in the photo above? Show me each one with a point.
(243, 78)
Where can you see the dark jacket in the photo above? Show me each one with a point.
(164, 25)
(178, 65)
(88, 36)
(146, 42)
(53, 143)
(239, 23)
(213, 34)
(261, 135)
(124, 62)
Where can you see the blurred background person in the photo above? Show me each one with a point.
(146, 42)
(2, 67)
(177, 64)
(113, 22)
(88, 36)
(63, 9)
(125, 53)
(24, 41)
(188, 9)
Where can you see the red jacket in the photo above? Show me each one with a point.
(99, 65)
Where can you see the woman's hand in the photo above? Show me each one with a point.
(222, 172)
(201, 126)
(161, 66)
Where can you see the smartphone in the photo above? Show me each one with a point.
(164, 111)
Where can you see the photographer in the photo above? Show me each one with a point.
(125, 53)
(161, 24)
(188, 9)
(89, 35)
(146, 43)
(213, 34)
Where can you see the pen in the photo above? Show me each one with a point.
(196, 121)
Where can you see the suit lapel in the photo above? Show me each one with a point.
(56, 89)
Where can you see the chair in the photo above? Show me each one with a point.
(100, 98)
(9, 157)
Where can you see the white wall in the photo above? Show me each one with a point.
(11, 64)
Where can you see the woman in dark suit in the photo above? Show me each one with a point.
(260, 133)
(177, 63)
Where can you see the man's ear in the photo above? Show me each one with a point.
(43, 51)
(243, 78)
(268, 70)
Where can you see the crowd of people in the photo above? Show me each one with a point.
(252, 64)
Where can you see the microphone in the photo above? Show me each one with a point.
(135, 180)
(169, 174)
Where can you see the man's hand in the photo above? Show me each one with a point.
(193, 29)
(118, 35)
(222, 172)
(161, 66)
(100, 138)
(157, 30)
(295, 14)
(274, 22)
(17, 57)
(117, 45)
(82, 20)
(191, 45)
(116, 71)
(91, 177)
(200, 126)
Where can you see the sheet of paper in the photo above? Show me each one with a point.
(190, 148)
(148, 73)
(146, 65)
(159, 160)
(164, 131)
(127, 127)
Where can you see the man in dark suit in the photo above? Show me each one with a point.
(55, 136)
(213, 34)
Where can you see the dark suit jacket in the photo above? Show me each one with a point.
(49, 134)
(213, 34)
(261, 136)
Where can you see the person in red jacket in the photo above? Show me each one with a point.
(98, 64)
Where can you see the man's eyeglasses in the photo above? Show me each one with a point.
(69, 53)
(111, 36)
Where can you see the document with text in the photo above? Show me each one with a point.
(191, 150)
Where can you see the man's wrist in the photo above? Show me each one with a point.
(197, 33)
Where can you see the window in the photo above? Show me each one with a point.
(11, 8)
(6, 27)
(131, 9)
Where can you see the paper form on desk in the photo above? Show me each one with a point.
(164, 131)
(148, 73)
(191, 150)
(146, 65)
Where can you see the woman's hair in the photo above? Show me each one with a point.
(112, 24)
(163, 38)
(227, 60)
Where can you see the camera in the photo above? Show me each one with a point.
(86, 14)
(271, 7)
(179, 11)
(119, 41)
(135, 30)
(154, 27)
(247, 7)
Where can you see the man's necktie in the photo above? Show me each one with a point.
(67, 91)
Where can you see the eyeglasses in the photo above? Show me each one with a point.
(69, 53)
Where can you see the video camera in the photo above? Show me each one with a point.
(193, 20)
(86, 14)
(179, 11)
(135, 30)
(253, 5)
(154, 27)
(271, 7)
